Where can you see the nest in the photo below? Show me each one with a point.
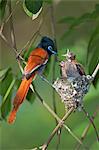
(73, 91)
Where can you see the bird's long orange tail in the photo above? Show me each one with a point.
(19, 98)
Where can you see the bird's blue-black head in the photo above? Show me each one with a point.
(47, 44)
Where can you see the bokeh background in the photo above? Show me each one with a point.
(34, 123)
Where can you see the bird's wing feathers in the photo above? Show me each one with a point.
(37, 59)
(80, 69)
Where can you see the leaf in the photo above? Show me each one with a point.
(74, 22)
(6, 102)
(93, 52)
(4, 84)
(32, 8)
(3, 73)
(6, 87)
(30, 96)
(2, 8)
(27, 53)
(47, 68)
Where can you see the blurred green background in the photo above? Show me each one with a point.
(34, 123)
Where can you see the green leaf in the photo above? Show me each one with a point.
(2, 8)
(6, 87)
(6, 102)
(3, 73)
(30, 96)
(4, 84)
(32, 7)
(47, 68)
(74, 22)
(93, 52)
(27, 53)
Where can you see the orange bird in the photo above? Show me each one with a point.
(36, 63)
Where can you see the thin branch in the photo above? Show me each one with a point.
(33, 36)
(10, 46)
(60, 124)
(12, 28)
(12, 11)
(2, 27)
(95, 71)
(87, 129)
(28, 43)
(91, 120)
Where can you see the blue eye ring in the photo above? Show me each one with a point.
(50, 48)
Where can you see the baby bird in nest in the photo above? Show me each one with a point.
(74, 83)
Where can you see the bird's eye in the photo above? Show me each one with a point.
(50, 48)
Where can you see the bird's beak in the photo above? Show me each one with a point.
(54, 52)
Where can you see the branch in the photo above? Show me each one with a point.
(10, 15)
(33, 36)
(60, 124)
(12, 28)
(95, 71)
(87, 128)
(91, 121)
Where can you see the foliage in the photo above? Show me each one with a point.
(32, 7)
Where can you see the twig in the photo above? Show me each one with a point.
(13, 39)
(12, 28)
(2, 27)
(10, 15)
(91, 120)
(33, 36)
(60, 124)
(95, 71)
(9, 45)
(87, 129)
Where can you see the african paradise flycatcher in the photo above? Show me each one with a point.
(36, 63)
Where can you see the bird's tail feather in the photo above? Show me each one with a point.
(19, 98)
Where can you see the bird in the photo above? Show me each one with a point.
(71, 68)
(36, 63)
